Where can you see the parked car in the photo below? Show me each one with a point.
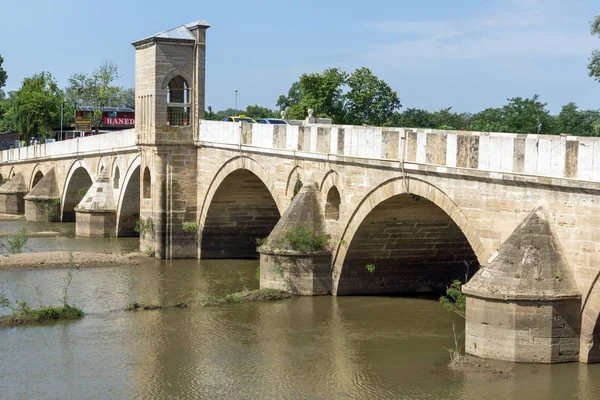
(272, 121)
(239, 118)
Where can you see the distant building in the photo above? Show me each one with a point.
(9, 140)
(113, 119)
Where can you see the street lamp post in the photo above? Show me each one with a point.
(235, 102)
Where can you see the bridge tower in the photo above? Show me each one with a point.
(169, 90)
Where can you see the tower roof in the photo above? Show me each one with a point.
(181, 33)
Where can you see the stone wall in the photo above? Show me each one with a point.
(540, 155)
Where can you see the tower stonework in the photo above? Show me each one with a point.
(170, 92)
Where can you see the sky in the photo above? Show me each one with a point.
(467, 54)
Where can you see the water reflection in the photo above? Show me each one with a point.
(66, 242)
(303, 348)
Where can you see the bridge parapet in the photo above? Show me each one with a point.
(107, 142)
(561, 156)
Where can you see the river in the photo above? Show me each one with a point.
(301, 348)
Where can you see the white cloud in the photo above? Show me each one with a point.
(519, 29)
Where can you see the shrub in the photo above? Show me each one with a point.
(455, 300)
(304, 240)
(191, 227)
(143, 225)
(17, 242)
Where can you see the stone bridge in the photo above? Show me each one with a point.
(422, 207)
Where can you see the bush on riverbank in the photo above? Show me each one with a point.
(24, 314)
(246, 296)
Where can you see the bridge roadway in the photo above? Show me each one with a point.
(420, 204)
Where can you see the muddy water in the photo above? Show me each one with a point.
(303, 348)
(66, 242)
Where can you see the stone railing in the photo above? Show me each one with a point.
(103, 143)
(561, 156)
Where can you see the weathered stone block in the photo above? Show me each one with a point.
(95, 223)
(39, 210)
(12, 203)
(300, 274)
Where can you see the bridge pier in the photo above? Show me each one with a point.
(524, 306)
(96, 214)
(42, 203)
(12, 195)
(282, 266)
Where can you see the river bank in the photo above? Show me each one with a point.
(64, 259)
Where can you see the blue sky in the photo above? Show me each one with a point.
(435, 53)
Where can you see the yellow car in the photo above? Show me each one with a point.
(239, 118)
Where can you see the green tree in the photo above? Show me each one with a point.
(594, 65)
(7, 114)
(488, 120)
(321, 92)
(527, 115)
(260, 112)
(3, 75)
(96, 90)
(445, 119)
(578, 122)
(123, 97)
(520, 115)
(413, 118)
(36, 106)
(369, 100)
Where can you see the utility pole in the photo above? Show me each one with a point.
(62, 107)
(235, 113)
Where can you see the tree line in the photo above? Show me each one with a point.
(355, 98)
(35, 108)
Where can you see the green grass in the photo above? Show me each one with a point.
(246, 296)
(26, 315)
(304, 240)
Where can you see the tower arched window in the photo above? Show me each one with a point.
(178, 102)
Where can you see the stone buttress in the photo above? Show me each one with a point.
(96, 214)
(283, 268)
(42, 203)
(12, 195)
(524, 306)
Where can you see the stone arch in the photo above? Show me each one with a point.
(290, 186)
(116, 177)
(147, 184)
(434, 200)
(101, 165)
(174, 73)
(36, 175)
(1, 179)
(11, 173)
(239, 206)
(589, 348)
(128, 208)
(332, 204)
(78, 179)
(330, 181)
(36, 179)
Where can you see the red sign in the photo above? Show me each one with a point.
(119, 121)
